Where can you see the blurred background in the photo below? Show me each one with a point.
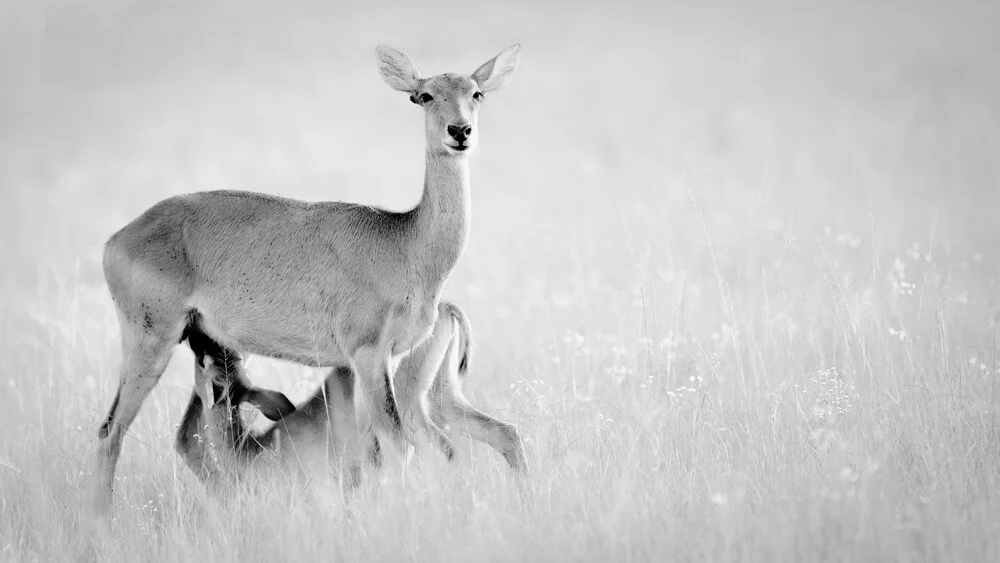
(733, 269)
(644, 152)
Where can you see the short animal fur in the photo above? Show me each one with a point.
(216, 443)
(321, 284)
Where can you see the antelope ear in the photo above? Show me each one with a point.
(397, 69)
(274, 404)
(496, 73)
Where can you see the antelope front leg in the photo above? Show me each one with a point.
(374, 371)
(416, 373)
(346, 431)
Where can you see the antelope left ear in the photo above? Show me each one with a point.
(496, 73)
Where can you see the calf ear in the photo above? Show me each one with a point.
(274, 404)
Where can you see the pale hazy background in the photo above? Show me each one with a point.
(823, 143)
(808, 114)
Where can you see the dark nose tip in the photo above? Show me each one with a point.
(460, 132)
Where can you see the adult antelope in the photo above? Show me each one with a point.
(215, 442)
(321, 284)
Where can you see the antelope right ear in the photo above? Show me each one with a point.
(496, 72)
(397, 69)
(273, 404)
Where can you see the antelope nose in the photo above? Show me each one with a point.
(460, 132)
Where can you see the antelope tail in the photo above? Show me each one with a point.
(465, 350)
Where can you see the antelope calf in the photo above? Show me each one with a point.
(320, 284)
(215, 442)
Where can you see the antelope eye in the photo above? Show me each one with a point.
(423, 98)
(478, 96)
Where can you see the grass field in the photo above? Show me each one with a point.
(733, 271)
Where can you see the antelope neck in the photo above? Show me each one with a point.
(442, 216)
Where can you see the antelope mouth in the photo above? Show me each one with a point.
(459, 147)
